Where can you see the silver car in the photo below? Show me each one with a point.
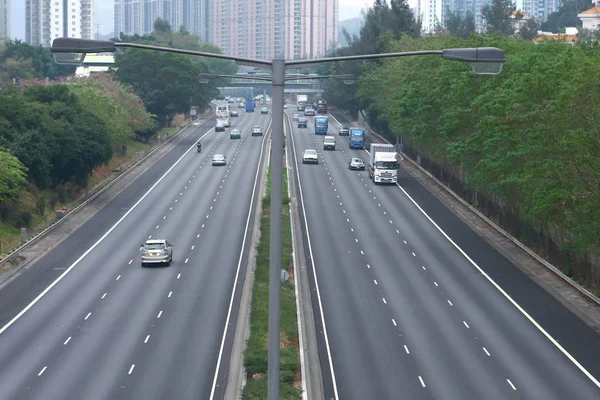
(295, 117)
(356, 163)
(157, 251)
(219, 159)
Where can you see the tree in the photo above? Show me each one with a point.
(501, 17)
(167, 83)
(13, 178)
(459, 26)
(162, 27)
(529, 29)
(566, 16)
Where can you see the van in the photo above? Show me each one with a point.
(220, 127)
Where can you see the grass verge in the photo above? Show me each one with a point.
(255, 359)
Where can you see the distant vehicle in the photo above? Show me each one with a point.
(383, 164)
(301, 100)
(302, 122)
(309, 111)
(218, 159)
(242, 105)
(257, 131)
(310, 157)
(220, 127)
(222, 111)
(233, 113)
(328, 143)
(321, 125)
(295, 117)
(227, 98)
(264, 110)
(357, 138)
(235, 134)
(344, 131)
(157, 251)
(356, 163)
(285, 106)
(321, 106)
(250, 104)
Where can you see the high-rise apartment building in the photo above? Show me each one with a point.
(46, 20)
(138, 16)
(4, 20)
(462, 7)
(430, 12)
(266, 28)
(245, 28)
(538, 9)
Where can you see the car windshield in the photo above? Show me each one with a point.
(356, 160)
(154, 246)
(310, 152)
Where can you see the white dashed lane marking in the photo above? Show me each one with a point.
(42, 371)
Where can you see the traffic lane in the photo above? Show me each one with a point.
(81, 356)
(473, 291)
(579, 340)
(365, 344)
(18, 293)
(83, 276)
(521, 349)
(182, 358)
(450, 362)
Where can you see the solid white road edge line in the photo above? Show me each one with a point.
(112, 228)
(513, 302)
(237, 272)
(312, 260)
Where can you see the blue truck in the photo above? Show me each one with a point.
(321, 125)
(250, 105)
(357, 138)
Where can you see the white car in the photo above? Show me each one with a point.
(257, 131)
(310, 157)
(219, 159)
(295, 117)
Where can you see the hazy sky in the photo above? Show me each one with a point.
(104, 14)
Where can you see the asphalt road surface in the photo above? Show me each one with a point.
(406, 314)
(110, 329)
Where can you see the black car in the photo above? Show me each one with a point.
(233, 113)
(302, 122)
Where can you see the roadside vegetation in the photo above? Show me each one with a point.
(523, 146)
(61, 136)
(256, 354)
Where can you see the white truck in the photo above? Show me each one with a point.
(383, 163)
(301, 100)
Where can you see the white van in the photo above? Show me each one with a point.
(220, 127)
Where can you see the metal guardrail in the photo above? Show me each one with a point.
(49, 229)
(507, 235)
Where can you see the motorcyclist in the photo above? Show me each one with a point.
(199, 145)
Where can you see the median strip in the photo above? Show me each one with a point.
(256, 355)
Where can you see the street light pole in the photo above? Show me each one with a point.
(277, 142)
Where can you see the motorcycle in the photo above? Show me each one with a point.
(199, 148)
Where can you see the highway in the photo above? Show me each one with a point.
(406, 312)
(110, 329)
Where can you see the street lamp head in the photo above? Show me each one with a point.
(72, 51)
(484, 60)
